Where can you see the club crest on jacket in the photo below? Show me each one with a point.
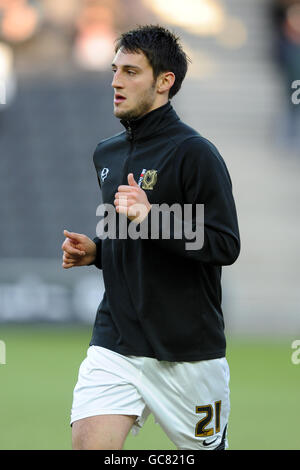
(150, 179)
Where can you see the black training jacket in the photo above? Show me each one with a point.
(162, 300)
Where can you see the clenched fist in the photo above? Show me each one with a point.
(78, 250)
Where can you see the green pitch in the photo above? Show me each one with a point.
(37, 381)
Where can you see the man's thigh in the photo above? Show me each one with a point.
(190, 400)
(106, 403)
(101, 432)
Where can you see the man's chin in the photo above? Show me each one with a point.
(119, 113)
(131, 114)
(126, 115)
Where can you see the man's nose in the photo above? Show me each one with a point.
(116, 82)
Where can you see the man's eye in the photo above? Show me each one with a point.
(131, 72)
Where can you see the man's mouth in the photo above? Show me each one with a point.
(119, 98)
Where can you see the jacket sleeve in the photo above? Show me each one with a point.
(203, 179)
(97, 240)
(98, 259)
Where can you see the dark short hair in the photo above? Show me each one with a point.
(162, 49)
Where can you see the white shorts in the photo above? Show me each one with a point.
(190, 400)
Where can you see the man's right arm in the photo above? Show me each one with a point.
(80, 250)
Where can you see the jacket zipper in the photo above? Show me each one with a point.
(125, 167)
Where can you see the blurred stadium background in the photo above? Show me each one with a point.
(55, 106)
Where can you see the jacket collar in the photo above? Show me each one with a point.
(150, 123)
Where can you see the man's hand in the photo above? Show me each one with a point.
(132, 201)
(78, 250)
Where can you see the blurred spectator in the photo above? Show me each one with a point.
(61, 13)
(19, 20)
(93, 46)
(99, 23)
(286, 18)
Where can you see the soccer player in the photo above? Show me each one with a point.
(158, 344)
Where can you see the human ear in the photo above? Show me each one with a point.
(165, 82)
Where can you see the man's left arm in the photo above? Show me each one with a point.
(204, 180)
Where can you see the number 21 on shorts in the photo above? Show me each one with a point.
(201, 429)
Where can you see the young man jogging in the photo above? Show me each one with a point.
(158, 343)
